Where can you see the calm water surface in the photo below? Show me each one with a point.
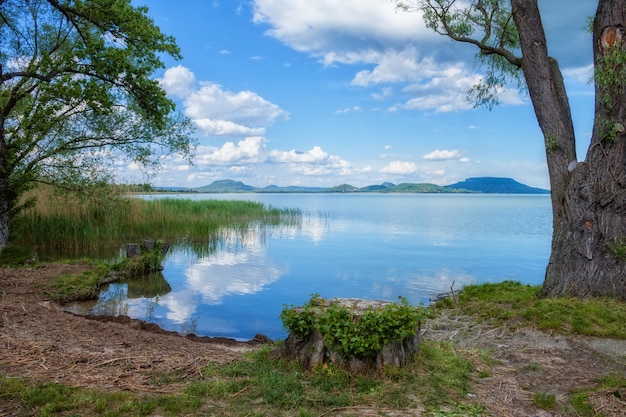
(376, 246)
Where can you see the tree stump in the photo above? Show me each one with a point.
(134, 249)
(151, 251)
(313, 349)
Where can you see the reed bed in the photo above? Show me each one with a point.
(76, 226)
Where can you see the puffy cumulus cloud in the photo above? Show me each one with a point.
(443, 155)
(386, 46)
(221, 112)
(250, 150)
(324, 26)
(226, 128)
(393, 66)
(314, 155)
(217, 111)
(447, 91)
(178, 81)
(399, 168)
(315, 161)
(441, 86)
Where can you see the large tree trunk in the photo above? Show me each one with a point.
(4, 194)
(589, 198)
(4, 222)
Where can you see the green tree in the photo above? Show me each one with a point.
(589, 197)
(76, 92)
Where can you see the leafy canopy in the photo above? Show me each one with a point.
(487, 24)
(77, 93)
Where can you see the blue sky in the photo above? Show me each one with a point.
(326, 92)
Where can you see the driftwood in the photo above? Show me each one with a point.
(313, 350)
(454, 294)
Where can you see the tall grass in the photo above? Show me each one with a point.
(79, 225)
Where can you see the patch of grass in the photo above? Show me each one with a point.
(590, 317)
(75, 287)
(100, 222)
(444, 372)
(438, 375)
(544, 400)
(460, 410)
(613, 384)
(509, 302)
(16, 256)
(52, 399)
(532, 367)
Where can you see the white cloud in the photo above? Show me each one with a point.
(385, 46)
(178, 81)
(222, 112)
(315, 161)
(248, 151)
(219, 112)
(581, 74)
(442, 155)
(322, 26)
(314, 155)
(226, 128)
(399, 167)
(353, 109)
(394, 66)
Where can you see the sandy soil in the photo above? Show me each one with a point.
(41, 342)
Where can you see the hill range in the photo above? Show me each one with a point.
(487, 185)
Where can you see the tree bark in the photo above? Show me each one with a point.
(588, 198)
(4, 192)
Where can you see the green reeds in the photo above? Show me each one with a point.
(76, 226)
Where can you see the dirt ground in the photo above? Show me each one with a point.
(41, 342)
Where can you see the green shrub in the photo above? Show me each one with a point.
(353, 335)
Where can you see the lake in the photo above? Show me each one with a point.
(373, 246)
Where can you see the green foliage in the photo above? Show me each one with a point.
(354, 335)
(69, 226)
(610, 74)
(150, 260)
(551, 143)
(77, 287)
(77, 94)
(14, 256)
(544, 400)
(490, 27)
(510, 302)
(618, 248)
(447, 370)
(612, 384)
(461, 410)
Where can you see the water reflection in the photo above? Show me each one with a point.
(197, 277)
(364, 246)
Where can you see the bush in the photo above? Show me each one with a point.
(352, 334)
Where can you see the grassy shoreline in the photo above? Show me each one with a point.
(73, 226)
(439, 382)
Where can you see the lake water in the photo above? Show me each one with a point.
(374, 246)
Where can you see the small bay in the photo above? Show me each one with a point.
(373, 246)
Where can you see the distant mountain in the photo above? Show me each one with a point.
(291, 189)
(495, 185)
(385, 186)
(416, 188)
(470, 185)
(226, 186)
